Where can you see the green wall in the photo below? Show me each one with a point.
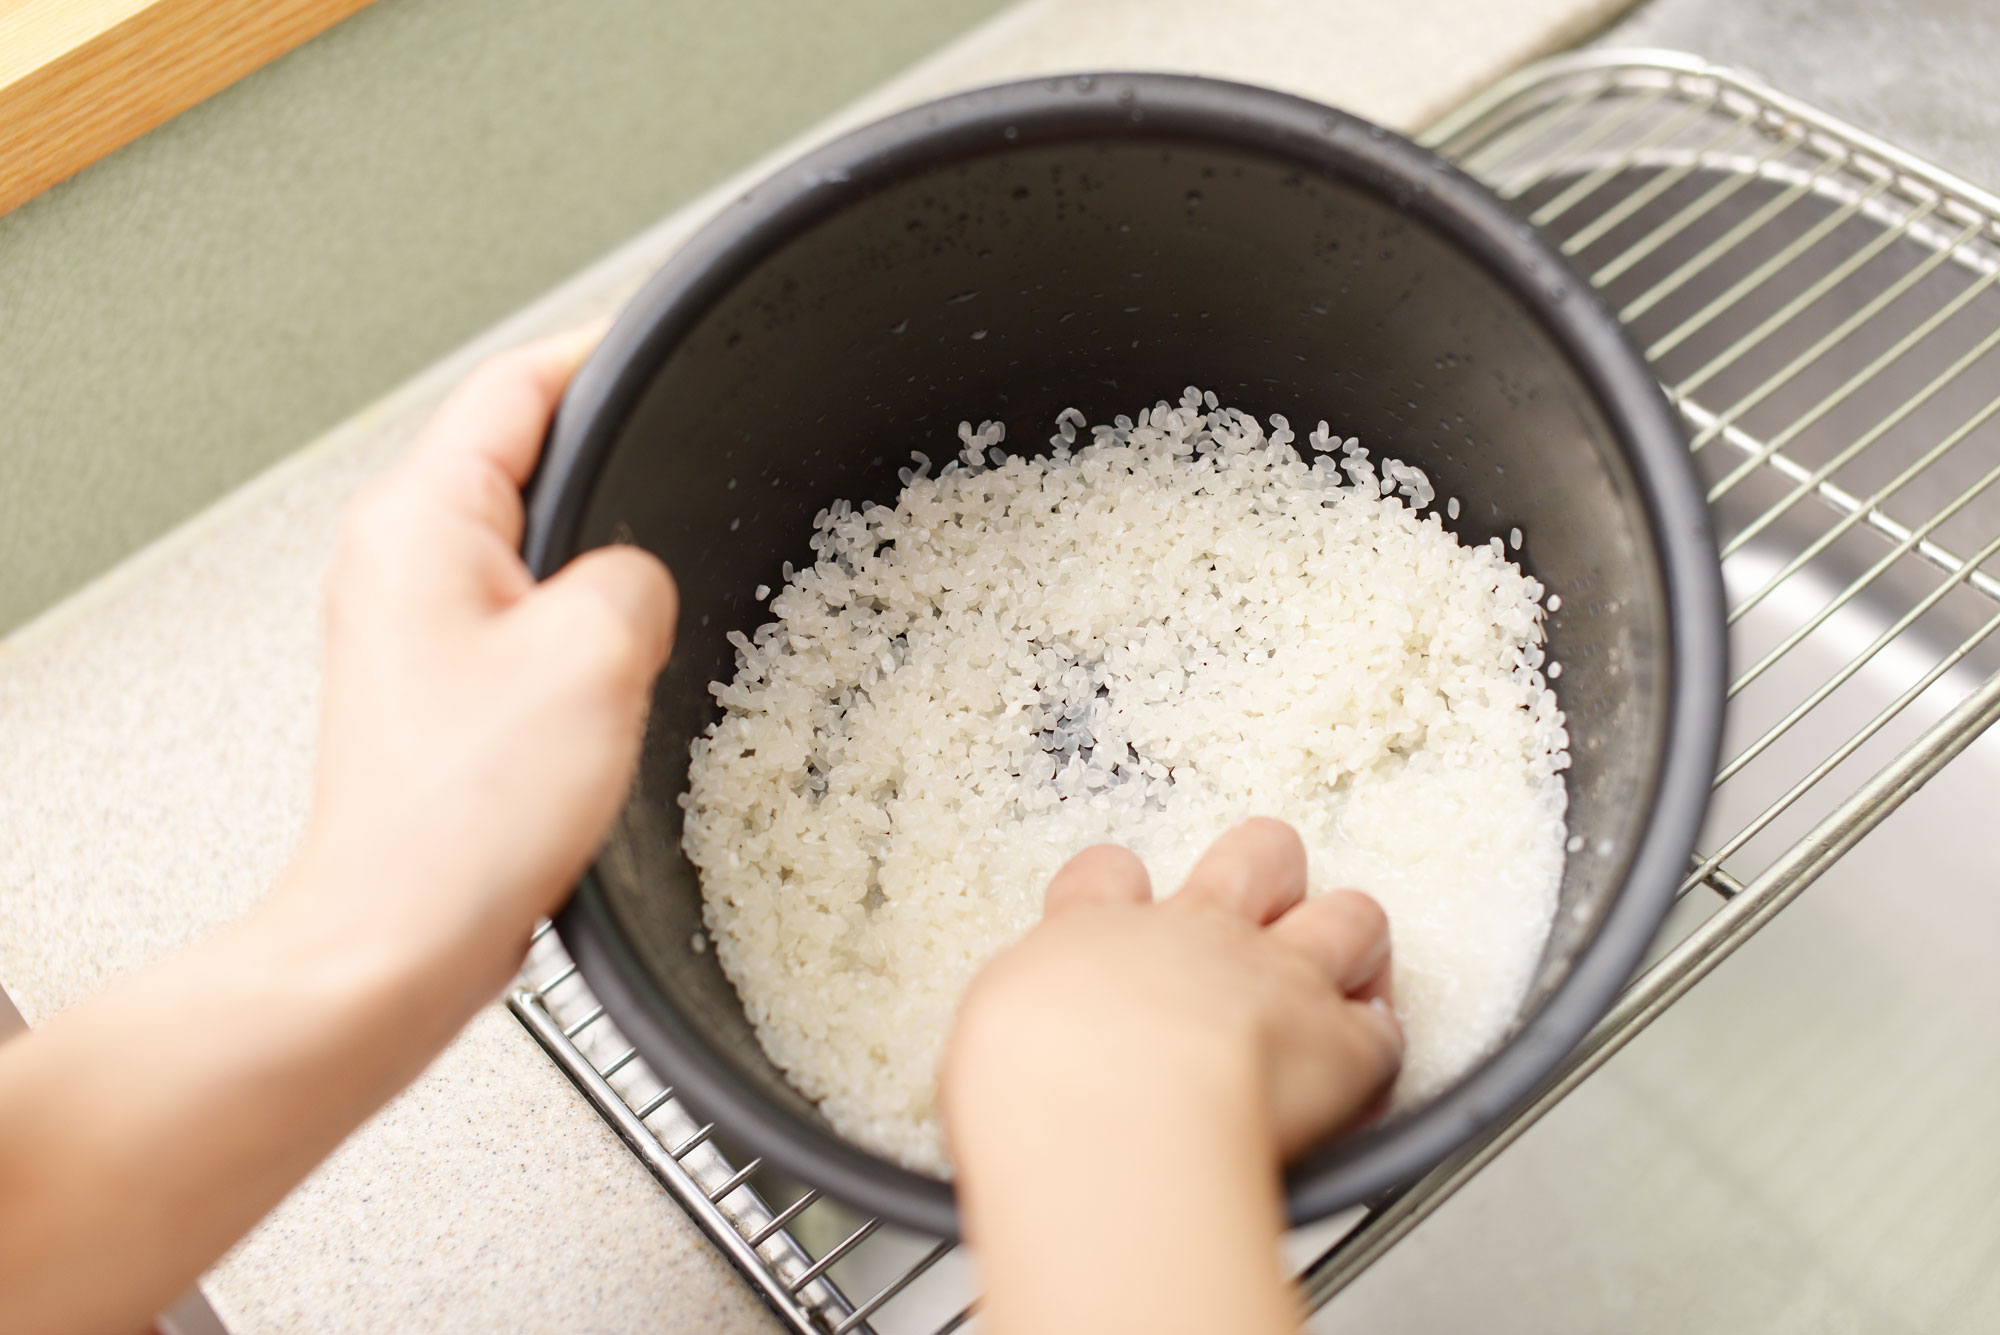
(209, 298)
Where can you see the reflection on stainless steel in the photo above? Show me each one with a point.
(709, 1183)
(802, 1252)
(1825, 311)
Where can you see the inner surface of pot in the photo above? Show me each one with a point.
(1107, 271)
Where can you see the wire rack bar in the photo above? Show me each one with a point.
(893, 1287)
(1653, 189)
(1785, 273)
(802, 1306)
(836, 1252)
(1787, 874)
(1663, 984)
(785, 1216)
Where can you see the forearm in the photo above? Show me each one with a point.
(144, 1131)
(479, 733)
(1099, 1197)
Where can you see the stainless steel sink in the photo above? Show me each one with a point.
(1826, 312)
(1829, 327)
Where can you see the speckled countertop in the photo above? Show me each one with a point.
(159, 726)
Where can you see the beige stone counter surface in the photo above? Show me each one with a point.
(156, 734)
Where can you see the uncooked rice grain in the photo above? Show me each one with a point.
(1139, 638)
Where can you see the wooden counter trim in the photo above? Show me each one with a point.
(79, 78)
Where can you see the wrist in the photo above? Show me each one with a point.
(1115, 1175)
(370, 936)
(1022, 1078)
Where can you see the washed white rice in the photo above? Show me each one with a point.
(1142, 637)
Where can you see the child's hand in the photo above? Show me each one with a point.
(479, 730)
(1124, 1083)
(1234, 982)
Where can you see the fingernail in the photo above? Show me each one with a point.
(572, 345)
(1386, 1018)
(1368, 965)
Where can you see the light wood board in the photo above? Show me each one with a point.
(79, 78)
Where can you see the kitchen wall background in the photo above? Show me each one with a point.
(186, 311)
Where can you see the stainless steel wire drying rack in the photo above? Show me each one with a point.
(1824, 309)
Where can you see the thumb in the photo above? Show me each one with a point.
(629, 584)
